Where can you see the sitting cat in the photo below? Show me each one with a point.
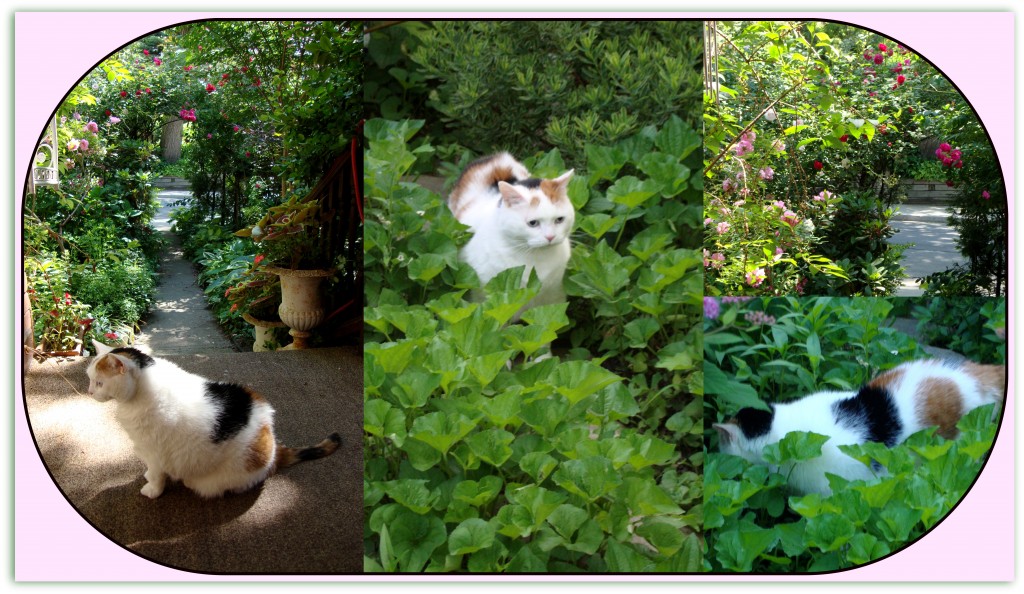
(213, 436)
(887, 410)
(516, 220)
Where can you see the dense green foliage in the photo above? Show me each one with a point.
(89, 250)
(823, 121)
(530, 86)
(481, 457)
(781, 349)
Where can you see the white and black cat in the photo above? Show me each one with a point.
(516, 220)
(888, 409)
(215, 437)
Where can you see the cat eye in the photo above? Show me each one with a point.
(533, 223)
(559, 220)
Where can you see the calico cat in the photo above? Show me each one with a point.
(213, 436)
(888, 409)
(516, 220)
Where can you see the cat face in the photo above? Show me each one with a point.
(110, 375)
(537, 215)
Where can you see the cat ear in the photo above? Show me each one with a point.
(727, 433)
(101, 349)
(563, 180)
(510, 194)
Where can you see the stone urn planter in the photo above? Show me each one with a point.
(301, 305)
(264, 332)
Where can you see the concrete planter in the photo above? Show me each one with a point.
(301, 305)
(264, 332)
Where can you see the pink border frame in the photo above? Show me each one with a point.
(976, 543)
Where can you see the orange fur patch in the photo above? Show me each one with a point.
(261, 450)
(888, 380)
(991, 377)
(552, 190)
(940, 403)
(110, 365)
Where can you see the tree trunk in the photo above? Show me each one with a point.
(170, 140)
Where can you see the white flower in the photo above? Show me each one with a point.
(257, 231)
(770, 114)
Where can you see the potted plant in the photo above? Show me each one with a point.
(258, 295)
(290, 239)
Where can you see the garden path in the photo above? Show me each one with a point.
(934, 241)
(179, 323)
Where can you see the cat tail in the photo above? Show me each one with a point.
(481, 177)
(286, 456)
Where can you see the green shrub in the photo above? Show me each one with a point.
(530, 86)
(972, 326)
(126, 288)
(480, 458)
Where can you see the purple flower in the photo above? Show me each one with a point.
(711, 308)
(766, 173)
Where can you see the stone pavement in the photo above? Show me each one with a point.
(934, 250)
(179, 322)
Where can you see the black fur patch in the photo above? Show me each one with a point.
(138, 357)
(315, 453)
(234, 406)
(873, 409)
(755, 422)
(531, 183)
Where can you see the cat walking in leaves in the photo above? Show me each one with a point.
(887, 410)
(215, 437)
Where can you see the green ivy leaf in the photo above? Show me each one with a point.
(471, 535)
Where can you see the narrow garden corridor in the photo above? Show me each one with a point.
(179, 321)
(934, 243)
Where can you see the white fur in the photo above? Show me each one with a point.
(503, 238)
(167, 417)
(814, 413)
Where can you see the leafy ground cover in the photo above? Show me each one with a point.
(480, 458)
(772, 350)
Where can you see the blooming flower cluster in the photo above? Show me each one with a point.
(759, 318)
(756, 277)
(949, 156)
(189, 115)
(711, 308)
(745, 145)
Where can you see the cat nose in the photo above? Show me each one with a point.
(550, 237)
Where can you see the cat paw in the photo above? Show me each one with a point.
(152, 491)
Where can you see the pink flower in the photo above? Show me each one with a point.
(83, 145)
(778, 146)
(157, 61)
(722, 227)
(145, 52)
(985, 194)
(248, 154)
(879, 58)
(818, 165)
(756, 277)
(708, 221)
(766, 173)
(114, 119)
(236, 128)
(882, 47)
(944, 147)
(210, 88)
(72, 145)
(187, 68)
(225, 75)
(717, 260)
(209, 136)
(92, 127)
(148, 91)
(789, 217)
(779, 204)
(728, 185)
(822, 196)
(124, 94)
(901, 79)
(111, 335)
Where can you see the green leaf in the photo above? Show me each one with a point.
(677, 138)
(477, 493)
(415, 538)
(738, 548)
(469, 536)
(491, 445)
(590, 478)
(829, 532)
(412, 494)
(383, 420)
(631, 192)
(795, 446)
(441, 431)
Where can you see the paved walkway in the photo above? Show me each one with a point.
(179, 322)
(934, 250)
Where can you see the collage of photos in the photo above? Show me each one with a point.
(506, 298)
